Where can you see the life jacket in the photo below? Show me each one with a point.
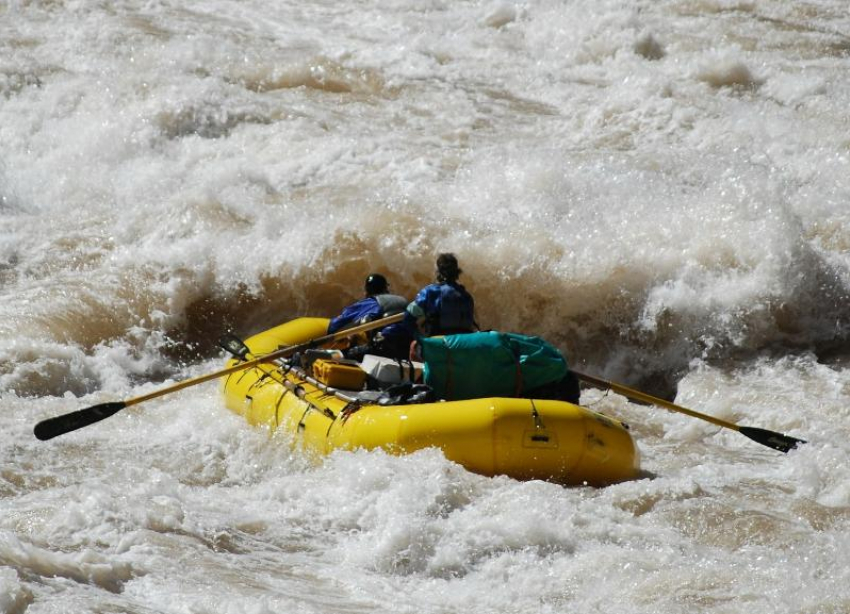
(399, 335)
(391, 304)
(455, 312)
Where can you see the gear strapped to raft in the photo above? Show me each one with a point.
(489, 364)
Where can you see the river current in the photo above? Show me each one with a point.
(661, 189)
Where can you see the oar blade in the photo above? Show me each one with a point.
(53, 427)
(771, 439)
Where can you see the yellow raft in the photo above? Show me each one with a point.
(521, 438)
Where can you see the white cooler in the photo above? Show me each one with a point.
(391, 371)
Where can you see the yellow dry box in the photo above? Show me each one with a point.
(339, 374)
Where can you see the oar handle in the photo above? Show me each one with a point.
(59, 425)
(337, 336)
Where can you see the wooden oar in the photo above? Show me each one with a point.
(52, 427)
(771, 439)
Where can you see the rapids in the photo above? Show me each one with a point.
(660, 189)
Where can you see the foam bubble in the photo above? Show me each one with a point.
(87, 566)
(14, 597)
(728, 72)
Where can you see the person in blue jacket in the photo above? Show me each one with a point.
(393, 340)
(445, 307)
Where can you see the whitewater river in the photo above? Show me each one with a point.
(659, 188)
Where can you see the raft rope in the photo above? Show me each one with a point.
(538, 422)
(600, 399)
(351, 408)
(519, 382)
(450, 372)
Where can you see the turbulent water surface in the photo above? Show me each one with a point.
(660, 189)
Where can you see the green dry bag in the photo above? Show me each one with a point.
(489, 364)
